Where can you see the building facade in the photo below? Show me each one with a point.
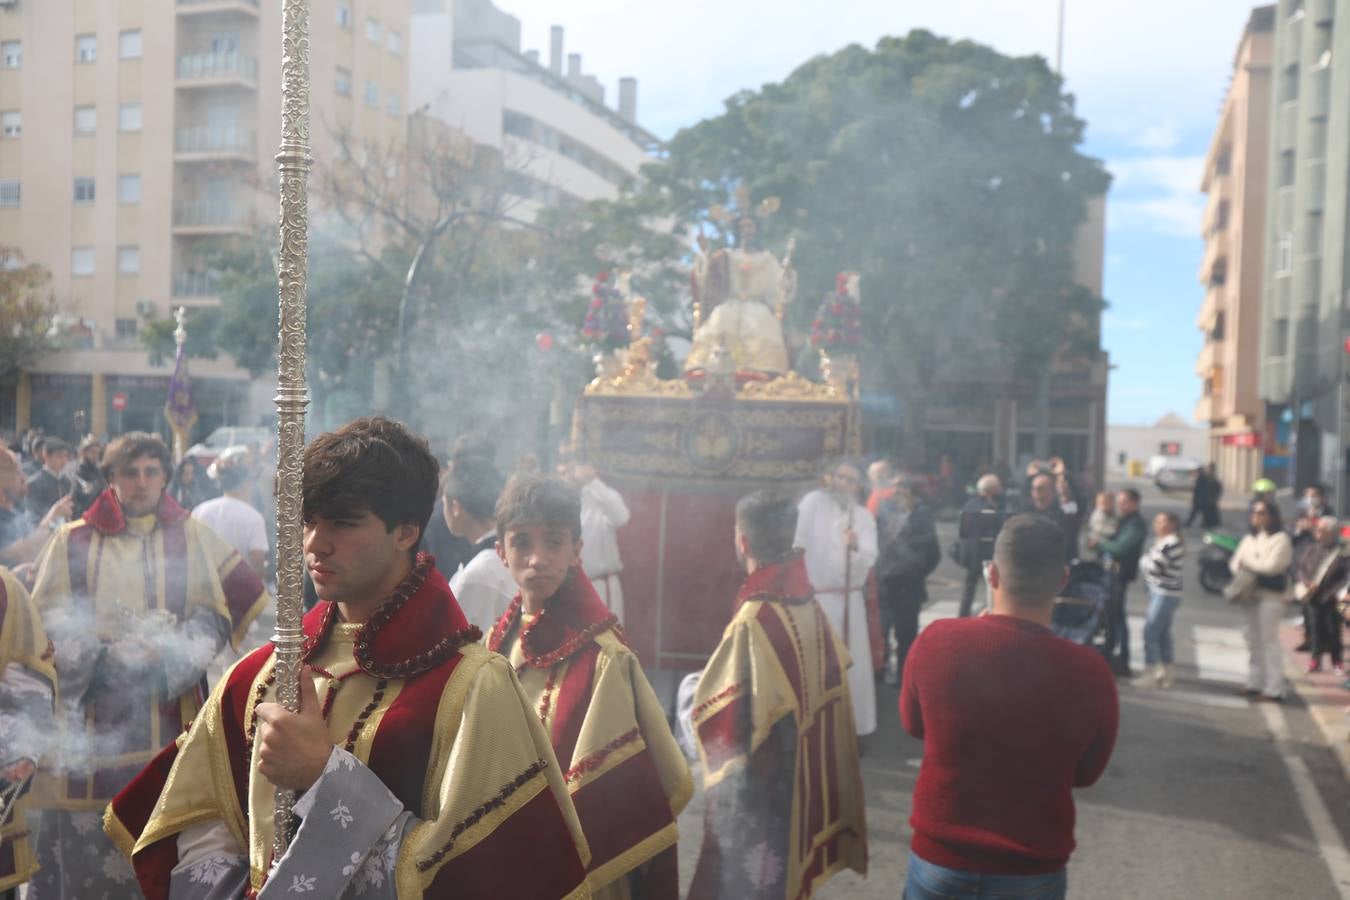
(139, 134)
(550, 121)
(1234, 229)
(1305, 282)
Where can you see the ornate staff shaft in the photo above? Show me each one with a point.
(293, 162)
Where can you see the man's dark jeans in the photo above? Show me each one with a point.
(974, 576)
(1118, 627)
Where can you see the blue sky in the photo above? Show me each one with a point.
(1149, 76)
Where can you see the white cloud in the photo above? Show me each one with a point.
(1163, 137)
(1158, 193)
(1113, 322)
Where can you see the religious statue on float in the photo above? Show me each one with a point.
(740, 294)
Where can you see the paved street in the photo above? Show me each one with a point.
(1207, 795)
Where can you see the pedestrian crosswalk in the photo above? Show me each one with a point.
(1209, 654)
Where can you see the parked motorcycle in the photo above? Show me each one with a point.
(1218, 550)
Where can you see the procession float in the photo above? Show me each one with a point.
(683, 450)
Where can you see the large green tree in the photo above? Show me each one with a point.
(948, 174)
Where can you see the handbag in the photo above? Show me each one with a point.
(1242, 589)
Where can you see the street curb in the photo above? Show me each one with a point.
(1328, 705)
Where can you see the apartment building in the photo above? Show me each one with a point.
(137, 134)
(1303, 327)
(1234, 229)
(551, 121)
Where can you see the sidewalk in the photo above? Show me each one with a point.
(1327, 701)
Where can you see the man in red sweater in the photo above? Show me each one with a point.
(1012, 719)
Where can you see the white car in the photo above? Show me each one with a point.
(1174, 473)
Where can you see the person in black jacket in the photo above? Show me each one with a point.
(1205, 498)
(1124, 550)
(981, 520)
(909, 553)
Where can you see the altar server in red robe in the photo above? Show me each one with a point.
(624, 770)
(421, 769)
(774, 726)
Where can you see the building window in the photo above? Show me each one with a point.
(372, 30)
(126, 328)
(129, 117)
(86, 119)
(344, 14)
(1289, 83)
(129, 260)
(372, 94)
(11, 54)
(129, 189)
(1286, 173)
(82, 260)
(391, 105)
(1284, 254)
(86, 48)
(9, 193)
(394, 41)
(343, 81)
(129, 44)
(84, 190)
(11, 122)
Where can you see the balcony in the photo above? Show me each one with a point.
(205, 143)
(1207, 410)
(195, 286)
(207, 70)
(1208, 360)
(211, 7)
(211, 218)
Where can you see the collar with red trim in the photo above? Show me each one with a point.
(571, 619)
(416, 629)
(106, 516)
(781, 582)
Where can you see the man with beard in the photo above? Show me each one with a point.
(421, 770)
(839, 537)
(20, 538)
(1045, 501)
(139, 598)
(773, 724)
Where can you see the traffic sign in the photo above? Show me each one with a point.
(119, 401)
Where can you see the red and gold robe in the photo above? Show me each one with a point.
(102, 575)
(23, 644)
(774, 725)
(414, 697)
(624, 770)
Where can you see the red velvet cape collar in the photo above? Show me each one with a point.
(107, 518)
(570, 620)
(781, 582)
(418, 627)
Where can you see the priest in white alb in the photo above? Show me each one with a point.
(839, 538)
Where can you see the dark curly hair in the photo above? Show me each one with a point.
(371, 465)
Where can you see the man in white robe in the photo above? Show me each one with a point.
(603, 513)
(839, 537)
(482, 585)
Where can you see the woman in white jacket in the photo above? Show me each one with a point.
(1266, 552)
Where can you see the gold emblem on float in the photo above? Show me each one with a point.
(712, 441)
